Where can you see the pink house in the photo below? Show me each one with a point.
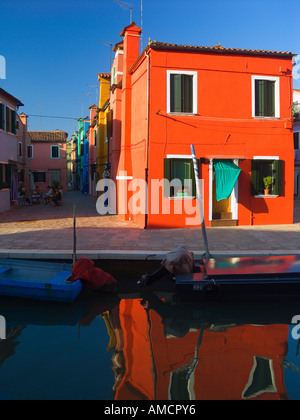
(48, 154)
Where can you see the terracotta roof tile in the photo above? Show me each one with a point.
(216, 48)
(55, 136)
(103, 76)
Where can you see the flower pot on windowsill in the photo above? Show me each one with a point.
(182, 194)
(267, 192)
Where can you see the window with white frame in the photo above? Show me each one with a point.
(263, 167)
(265, 97)
(179, 172)
(54, 152)
(182, 92)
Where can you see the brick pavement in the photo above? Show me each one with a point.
(40, 230)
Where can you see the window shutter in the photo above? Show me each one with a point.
(194, 191)
(7, 170)
(14, 122)
(2, 120)
(254, 177)
(296, 140)
(278, 177)
(187, 93)
(108, 125)
(7, 119)
(167, 176)
(176, 94)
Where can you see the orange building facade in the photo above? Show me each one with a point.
(166, 358)
(233, 105)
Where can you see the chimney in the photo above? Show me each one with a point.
(131, 46)
(131, 42)
(23, 117)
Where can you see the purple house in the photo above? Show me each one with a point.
(296, 99)
(8, 149)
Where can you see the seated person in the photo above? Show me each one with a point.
(38, 192)
(56, 197)
(48, 195)
(22, 193)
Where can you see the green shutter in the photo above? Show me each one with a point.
(7, 119)
(278, 177)
(2, 119)
(175, 94)
(167, 176)
(7, 170)
(14, 122)
(187, 93)
(264, 98)
(194, 191)
(254, 177)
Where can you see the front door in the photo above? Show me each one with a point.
(222, 208)
(226, 208)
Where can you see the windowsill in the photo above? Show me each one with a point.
(183, 197)
(265, 196)
(182, 114)
(265, 118)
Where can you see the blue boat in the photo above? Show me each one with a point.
(38, 280)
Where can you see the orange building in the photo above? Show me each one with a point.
(168, 358)
(233, 105)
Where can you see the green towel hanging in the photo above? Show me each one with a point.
(226, 176)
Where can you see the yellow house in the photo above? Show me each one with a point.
(103, 129)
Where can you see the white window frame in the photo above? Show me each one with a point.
(195, 91)
(277, 102)
(51, 153)
(272, 158)
(186, 197)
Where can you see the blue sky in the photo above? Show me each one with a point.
(52, 49)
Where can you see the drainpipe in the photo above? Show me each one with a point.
(147, 139)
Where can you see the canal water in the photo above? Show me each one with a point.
(149, 346)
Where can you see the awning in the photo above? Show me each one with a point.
(226, 176)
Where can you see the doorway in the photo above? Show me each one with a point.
(223, 212)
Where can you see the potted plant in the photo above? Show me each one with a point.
(267, 183)
(181, 192)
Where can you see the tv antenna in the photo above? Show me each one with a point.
(125, 5)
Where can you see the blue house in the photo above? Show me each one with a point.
(84, 154)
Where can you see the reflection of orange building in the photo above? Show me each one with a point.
(166, 360)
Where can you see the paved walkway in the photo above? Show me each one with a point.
(40, 231)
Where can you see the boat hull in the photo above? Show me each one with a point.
(37, 280)
(243, 278)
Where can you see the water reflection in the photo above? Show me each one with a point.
(164, 349)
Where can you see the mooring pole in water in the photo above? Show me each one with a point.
(199, 198)
(74, 234)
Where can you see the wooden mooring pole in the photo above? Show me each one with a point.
(74, 234)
